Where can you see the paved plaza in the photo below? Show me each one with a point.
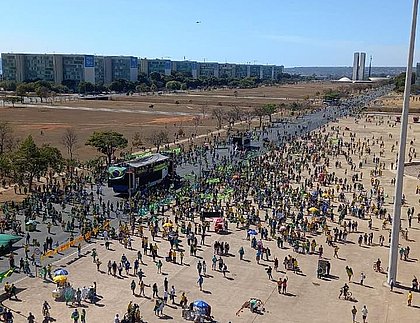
(308, 298)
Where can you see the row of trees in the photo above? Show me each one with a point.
(25, 161)
(239, 115)
(154, 82)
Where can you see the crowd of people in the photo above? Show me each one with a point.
(297, 188)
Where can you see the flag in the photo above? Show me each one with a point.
(6, 274)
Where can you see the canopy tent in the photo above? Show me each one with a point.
(7, 239)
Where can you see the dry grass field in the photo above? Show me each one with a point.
(130, 114)
(393, 102)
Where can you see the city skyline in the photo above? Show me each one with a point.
(289, 34)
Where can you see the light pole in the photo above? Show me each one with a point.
(393, 254)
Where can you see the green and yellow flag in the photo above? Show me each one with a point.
(6, 274)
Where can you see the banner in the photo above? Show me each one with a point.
(6, 274)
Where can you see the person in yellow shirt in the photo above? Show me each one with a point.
(409, 298)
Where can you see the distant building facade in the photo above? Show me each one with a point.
(76, 68)
(63, 68)
(359, 62)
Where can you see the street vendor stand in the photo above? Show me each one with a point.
(323, 269)
(198, 311)
(31, 225)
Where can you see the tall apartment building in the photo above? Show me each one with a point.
(359, 62)
(161, 66)
(227, 70)
(186, 67)
(71, 69)
(63, 68)
(208, 69)
(241, 71)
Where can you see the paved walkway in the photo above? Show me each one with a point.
(309, 299)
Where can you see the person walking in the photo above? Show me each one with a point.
(269, 273)
(83, 316)
(200, 282)
(362, 278)
(75, 316)
(353, 313)
(31, 318)
(349, 272)
(155, 290)
(159, 266)
(172, 294)
(133, 286)
(141, 285)
(409, 298)
(285, 285)
(241, 253)
(336, 248)
(364, 313)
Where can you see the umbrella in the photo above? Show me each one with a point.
(168, 224)
(252, 232)
(60, 279)
(61, 272)
(200, 304)
(313, 209)
(32, 222)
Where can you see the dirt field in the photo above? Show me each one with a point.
(393, 104)
(143, 113)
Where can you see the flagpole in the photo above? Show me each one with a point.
(393, 254)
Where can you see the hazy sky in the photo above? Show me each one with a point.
(292, 33)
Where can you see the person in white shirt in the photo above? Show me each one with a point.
(364, 313)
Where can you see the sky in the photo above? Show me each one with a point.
(282, 32)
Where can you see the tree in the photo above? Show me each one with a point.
(21, 90)
(8, 85)
(51, 157)
(86, 87)
(5, 164)
(30, 161)
(218, 114)
(270, 109)
(230, 117)
(196, 120)
(142, 87)
(295, 106)
(137, 140)
(153, 87)
(173, 85)
(12, 100)
(107, 142)
(260, 113)
(42, 92)
(159, 138)
(69, 141)
(6, 132)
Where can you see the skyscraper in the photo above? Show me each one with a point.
(359, 61)
(362, 62)
(355, 67)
